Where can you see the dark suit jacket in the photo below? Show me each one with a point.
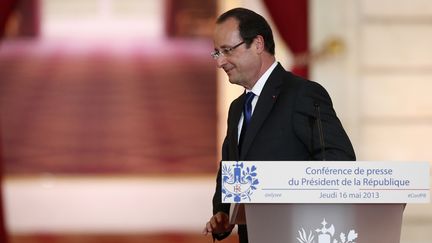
(283, 127)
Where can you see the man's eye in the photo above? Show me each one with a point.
(226, 51)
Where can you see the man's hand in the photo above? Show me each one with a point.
(218, 223)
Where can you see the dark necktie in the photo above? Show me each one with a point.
(247, 115)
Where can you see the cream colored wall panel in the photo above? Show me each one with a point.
(396, 142)
(416, 232)
(388, 69)
(416, 223)
(336, 69)
(399, 8)
(119, 205)
(330, 68)
(418, 212)
(61, 9)
(403, 96)
(395, 47)
(109, 19)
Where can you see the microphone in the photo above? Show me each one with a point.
(320, 130)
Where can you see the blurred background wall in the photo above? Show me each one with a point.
(112, 112)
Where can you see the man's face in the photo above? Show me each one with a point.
(242, 64)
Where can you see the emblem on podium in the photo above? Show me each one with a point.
(239, 182)
(326, 235)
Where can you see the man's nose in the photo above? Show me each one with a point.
(221, 61)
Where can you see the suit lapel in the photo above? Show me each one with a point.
(263, 107)
(237, 110)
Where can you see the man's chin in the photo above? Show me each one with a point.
(233, 81)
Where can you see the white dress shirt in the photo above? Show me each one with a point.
(256, 89)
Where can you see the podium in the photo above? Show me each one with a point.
(323, 223)
(327, 213)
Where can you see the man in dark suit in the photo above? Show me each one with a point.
(279, 117)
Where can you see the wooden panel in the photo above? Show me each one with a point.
(190, 18)
(97, 111)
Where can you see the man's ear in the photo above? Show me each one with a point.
(259, 44)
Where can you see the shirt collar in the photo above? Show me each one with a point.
(259, 85)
